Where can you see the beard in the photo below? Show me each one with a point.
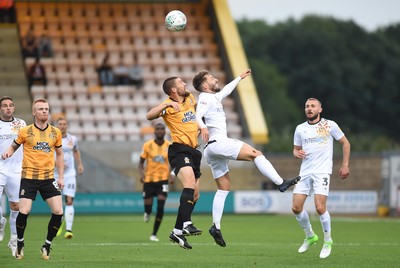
(312, 117)
(186, 94)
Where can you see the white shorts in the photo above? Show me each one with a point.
(317, 182)
(69, 186)
(219, 153)
(10, 183)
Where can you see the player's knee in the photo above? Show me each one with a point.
(320, 209)
(297, 209)
(14, 206)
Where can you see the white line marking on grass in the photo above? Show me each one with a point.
(230, 244)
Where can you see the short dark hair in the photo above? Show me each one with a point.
(5, 98)
(199, 79)
(168, 84)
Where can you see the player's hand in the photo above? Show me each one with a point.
(204, 135)
(60, 183)
(174, 105)
(6, 155)
(301, 154)
(344, 172)
(80, 169)
(245, 73)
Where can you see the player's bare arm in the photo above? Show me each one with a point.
(10, 151)
(344, 169)
(60, 166)
(156, 111)
(77, 156)
(298, 152)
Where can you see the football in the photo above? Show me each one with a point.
(175, 21)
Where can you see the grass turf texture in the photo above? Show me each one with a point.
(252, 241)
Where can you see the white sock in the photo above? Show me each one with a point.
(186, 223)
(218, 207)
(326, 225)
(13, 218)
(69, 217)
(177, 231)
(267, 169)
(1, 212)
(304, 221)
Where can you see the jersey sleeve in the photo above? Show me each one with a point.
(297, 137)
(201, 109)
(58, 143)
(336, 132)
(144, 153)
(21, 136)
(227, 89)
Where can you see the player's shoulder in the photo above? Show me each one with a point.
(19, 121)
(71, 137)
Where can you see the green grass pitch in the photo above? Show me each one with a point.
(252, 241)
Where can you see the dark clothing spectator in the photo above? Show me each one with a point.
(29, 45)
(7, 11)
(45, 47)
(105, 72)
(121, 74)
(136, 75)
(37, 74)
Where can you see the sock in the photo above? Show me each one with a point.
(159, 216)
(147, 209)
(304, 221)
(267, 169)
(218, 207)
(185, 208)
(13, 219)
(69, 217)
(52, 228)
(326, 225)
(20, 223)
(1, 212)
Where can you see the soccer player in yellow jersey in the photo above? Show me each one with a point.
(155, 176)
(40, 140)
(178, 112)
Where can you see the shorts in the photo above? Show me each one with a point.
(47, 189)
(219, 153)
(318, 182)
(154, 189)
(9, 183)
(69, 186)
(180, 155)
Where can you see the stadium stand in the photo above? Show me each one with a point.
(82, 33)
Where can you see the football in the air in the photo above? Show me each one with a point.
(175, 21)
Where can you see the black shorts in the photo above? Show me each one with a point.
(46, 188)
(152, 189)
(180, 155)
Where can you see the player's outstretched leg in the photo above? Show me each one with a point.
(217, 235)
(288, 183)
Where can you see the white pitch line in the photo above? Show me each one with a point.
(230, 244)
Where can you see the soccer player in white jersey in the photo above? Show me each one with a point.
(71, 154)
(10, 169)
(313, 143)
(219, 149)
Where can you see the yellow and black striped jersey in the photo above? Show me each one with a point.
(182, 124)
(39, 145)
(157, 166)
